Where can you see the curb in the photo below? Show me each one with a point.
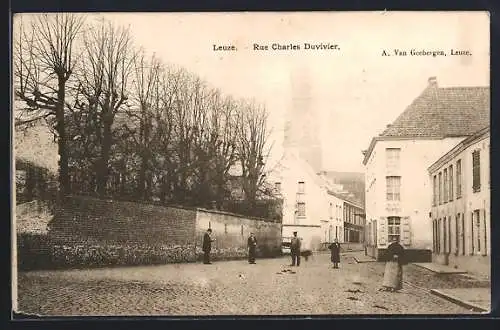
(439, 272)
(363, 261)
(458, 301)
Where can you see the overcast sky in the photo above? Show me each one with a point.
(355, 91)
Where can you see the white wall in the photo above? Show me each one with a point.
(415, 157)
(290, 171)
(333, 224)
(469, 201)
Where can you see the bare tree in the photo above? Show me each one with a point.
(186, 114)
(225, 129)
(145, 110)
(104, 81)
(253, 149)
(44, 60)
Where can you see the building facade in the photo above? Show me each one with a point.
(396, 163)
(397, 194)
(460, 213)
(354, 222)
(333, 225)
(305, 201)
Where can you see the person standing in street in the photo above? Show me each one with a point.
(252, 247)
(335, 253)
(393, 274)
(295, 249)
(207, 246)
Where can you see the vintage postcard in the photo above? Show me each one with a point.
(279, 163)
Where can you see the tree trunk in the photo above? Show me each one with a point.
(142, 176)
(103, 170)
(123, 179)
(64, 184)
(163, 189)
(30, 182)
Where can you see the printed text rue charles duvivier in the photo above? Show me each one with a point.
(281, 46)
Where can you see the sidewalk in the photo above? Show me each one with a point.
(440, 269)
(360, 257)
(477, 299)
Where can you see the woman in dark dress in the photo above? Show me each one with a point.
(335, 253)
(393, 275)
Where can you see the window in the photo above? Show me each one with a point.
(445, 237)
(225, 228)
(459, 178)
(393, 189)
(445, 185)
(301, 209)
(476, 171)
(450, 189)
(394, 227)
(472, 236)
(277, 187)
(392, 158)
(462, 234)
(438, 241)
(457, 234)
(330, 211)
(449, 234)
(435, 192)
(434, 235)
(440, 188)
(302, 188)
(485, 231)
(477, 224)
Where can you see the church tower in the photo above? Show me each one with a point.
(302, 129)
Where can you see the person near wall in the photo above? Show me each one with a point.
(335, 253)
(207, 246)
(395, 259)
(252, 247)
(295, 249)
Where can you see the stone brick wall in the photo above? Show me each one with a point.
(90, 232)
(113, 222)
(231, 232)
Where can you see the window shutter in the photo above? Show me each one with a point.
(484, 234)
(476, 175)
(382, 238)
(406, 231)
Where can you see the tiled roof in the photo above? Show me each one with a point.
(441, 112)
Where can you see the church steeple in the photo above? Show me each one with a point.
(302, 121)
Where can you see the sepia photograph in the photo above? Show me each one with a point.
(251, 164)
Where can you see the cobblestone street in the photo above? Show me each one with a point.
(232, 287)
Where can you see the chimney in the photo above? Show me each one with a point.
(432, 82)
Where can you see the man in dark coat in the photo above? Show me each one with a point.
(295, 249)
(252, 247)
(207, 246)
(335, 253)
